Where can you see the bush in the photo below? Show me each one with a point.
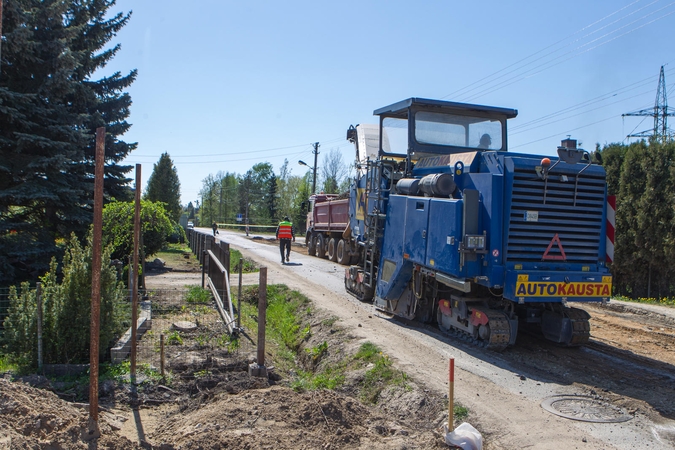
(198, 295)
(118, 228)
(66, 310)
(177, 235)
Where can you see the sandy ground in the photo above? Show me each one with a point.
(505, 390)
(215, 404)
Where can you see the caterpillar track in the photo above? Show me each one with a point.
(581, 327)
(494, 335)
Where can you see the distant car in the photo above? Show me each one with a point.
(191, 224)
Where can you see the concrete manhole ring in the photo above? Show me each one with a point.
(184, 325)
(585, 409)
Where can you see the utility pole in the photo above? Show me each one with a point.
(660, 113)
(302, 163)
(316, 153)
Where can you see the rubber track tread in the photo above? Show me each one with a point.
(500, 330)
(581, 327)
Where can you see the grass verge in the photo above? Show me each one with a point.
(248, 266)
(665, 301)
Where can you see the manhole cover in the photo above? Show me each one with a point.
(586, 409)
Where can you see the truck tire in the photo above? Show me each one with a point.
(320, 246)
(311, 245)
(342, 254)
(332, 249)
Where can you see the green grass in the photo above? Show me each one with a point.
(7, 365)
(318, 351)
(174, 338)
(460, 413)
(119, 372)
(380, 375)
(174, 255)
(665, 301)
(248, 266)
(286, 331)
(175, 248)
(198, 295)
(330, 322)
(328, 379)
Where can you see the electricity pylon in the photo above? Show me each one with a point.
(660, 113)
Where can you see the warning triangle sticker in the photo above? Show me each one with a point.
(560, 257)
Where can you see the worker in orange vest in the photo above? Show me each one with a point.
(285, 233)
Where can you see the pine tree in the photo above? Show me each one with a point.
(272, 198)
(50, 108)
(164, 186)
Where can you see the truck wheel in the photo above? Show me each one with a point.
(332, 250)
(311, 244)
(342, 254)
(320, 246)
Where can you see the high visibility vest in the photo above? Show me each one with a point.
(285, 230)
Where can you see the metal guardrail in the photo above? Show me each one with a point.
(219, 283)
(215, 261)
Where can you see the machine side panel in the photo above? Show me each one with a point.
(444, 235)
(491, 188)
(416, 222)
(395, 268)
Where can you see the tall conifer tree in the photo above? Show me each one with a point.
(50, 108)
(164, 186)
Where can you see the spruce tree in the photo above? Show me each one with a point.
(50, 108)
(164, 186)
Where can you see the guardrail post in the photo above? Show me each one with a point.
(203, 269)
(258, 368)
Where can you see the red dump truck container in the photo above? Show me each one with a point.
(330, 214)
(327, 221)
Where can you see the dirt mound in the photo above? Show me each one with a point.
(278, 417)
(34, 418)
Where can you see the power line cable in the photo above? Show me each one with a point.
(532, 72)
(586, 103)
(564, 132)
(537, 52)
(239, 151)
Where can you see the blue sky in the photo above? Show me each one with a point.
(223, 85)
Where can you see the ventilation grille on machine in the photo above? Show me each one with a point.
(533, 224)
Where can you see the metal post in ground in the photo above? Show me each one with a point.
(38, 299)
(134, 298)
(241, 268)
(258, 368)
(96, 262)
(161, 354)
(451, 396)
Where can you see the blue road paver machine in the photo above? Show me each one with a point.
(445, 225)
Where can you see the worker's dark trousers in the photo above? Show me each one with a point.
(285, 243)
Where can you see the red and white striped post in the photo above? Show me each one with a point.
(451, 395)
(611, 224)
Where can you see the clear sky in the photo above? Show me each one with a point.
(223, 85)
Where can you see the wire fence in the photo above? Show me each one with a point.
(177, 325)
(169, 319)
(4, 307)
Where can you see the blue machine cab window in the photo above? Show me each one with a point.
(458, 130)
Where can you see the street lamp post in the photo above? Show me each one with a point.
(302, 163)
